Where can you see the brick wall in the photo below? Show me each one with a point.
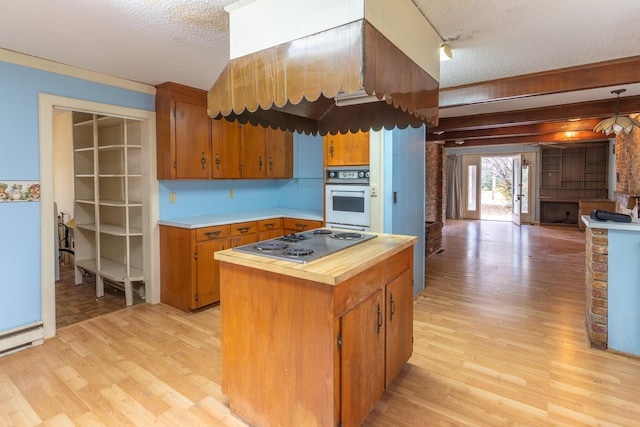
(627, 157)
(434, 170)
(596, 320)
(434, 198)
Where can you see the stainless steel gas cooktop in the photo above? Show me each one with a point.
(306, 246)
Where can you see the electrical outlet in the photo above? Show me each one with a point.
(374, 191)
(172, 197)
(231, 193)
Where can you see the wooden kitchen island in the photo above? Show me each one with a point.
(315, 344)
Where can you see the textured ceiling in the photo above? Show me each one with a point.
(493, 39)
(186, 41)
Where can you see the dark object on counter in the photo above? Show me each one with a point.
(609, 216)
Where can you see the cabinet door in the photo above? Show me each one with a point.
(253, 151)
(193, 141)
(208, 273)
(225, 144)
(399, 324)
(279, 153)
(350, 149)
(362, 359)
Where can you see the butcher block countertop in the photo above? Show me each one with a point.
(332, 269)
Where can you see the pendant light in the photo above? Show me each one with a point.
(617, 123)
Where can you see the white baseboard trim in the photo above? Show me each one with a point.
(16, 339)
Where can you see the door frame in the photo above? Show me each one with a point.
(46, 105)
(528, 157)
(516, 189)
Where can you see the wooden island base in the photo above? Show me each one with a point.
(300, 352)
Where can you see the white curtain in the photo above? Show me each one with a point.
(454, 187)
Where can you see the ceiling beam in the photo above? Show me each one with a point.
(559, 137)
(602, 74)
(594, 109)
(521, 130)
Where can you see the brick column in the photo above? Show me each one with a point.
(597, 283)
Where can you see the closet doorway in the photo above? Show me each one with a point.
(54, 171)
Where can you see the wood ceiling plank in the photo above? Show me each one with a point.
(602, 74)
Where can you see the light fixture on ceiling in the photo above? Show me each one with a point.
(445, 52)
(459, 141)
(617, 123)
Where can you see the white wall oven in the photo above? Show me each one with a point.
(347, 198)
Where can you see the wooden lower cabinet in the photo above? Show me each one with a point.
(294, 225)
(296, 352)
(189, 275)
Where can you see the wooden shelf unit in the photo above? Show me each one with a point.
(107, 166)
(578, 172)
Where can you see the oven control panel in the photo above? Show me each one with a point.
(347, 175)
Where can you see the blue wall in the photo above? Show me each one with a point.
(20, 160)
(404, 166)
(304, 191)
(624, 291)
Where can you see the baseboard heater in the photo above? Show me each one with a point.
(22, 337)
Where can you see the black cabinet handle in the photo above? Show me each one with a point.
(203, 160)
(380, 319)
(243, 229)
(331, 149)
(212, 234)
(270, 163)
(260, 163)
(392, 307)
(218, 161)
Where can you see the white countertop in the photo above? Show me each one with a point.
(634, 225)
(222, 219)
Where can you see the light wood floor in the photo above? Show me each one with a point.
(499, 340)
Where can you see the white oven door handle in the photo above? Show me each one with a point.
(347, 192)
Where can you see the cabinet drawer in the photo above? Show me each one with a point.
(270, 224)
(243, 240)
(243, 228)
(298, 225)
(210, 233)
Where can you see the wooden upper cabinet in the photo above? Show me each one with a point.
(193, 142)
(252, 140)
(190, 145)
(183, 133)
(225, 143)
(350, 149)
(279, 153)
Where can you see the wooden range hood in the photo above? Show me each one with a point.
(294, 85)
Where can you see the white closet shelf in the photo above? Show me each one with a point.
(110, 148)
(118, 230)
(91, 227)
(118, 147)
(111, 269)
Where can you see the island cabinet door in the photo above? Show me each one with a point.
(208, 272)
(361, 359)
(399, 324)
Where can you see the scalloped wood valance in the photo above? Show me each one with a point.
(292, 86)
